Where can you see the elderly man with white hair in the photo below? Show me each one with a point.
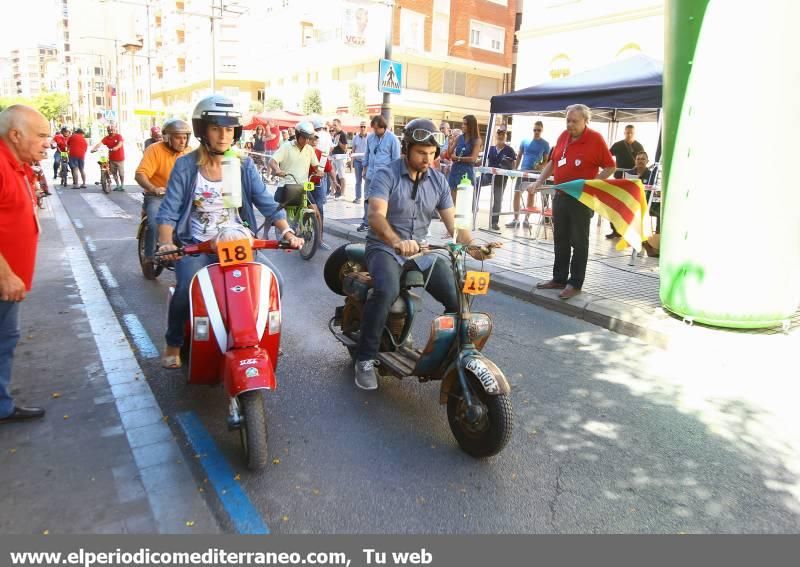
(24, 138)
(580, 153)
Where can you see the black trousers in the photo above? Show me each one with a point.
(571, 221)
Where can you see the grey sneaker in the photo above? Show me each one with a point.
(324, 245)
(366, 376)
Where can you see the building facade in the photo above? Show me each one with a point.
(29, 68)
(456, 54)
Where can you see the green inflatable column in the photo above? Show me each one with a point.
(730, 243)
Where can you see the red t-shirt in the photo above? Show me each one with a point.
(274, 143)
(60, 141)
(585, 157)
(19, 230)
(111, 142)
(312, 171)
(77, 146)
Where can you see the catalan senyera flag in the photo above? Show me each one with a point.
(621, 201)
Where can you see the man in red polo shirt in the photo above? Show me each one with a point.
(116, 155)
(24, 138)
(59, 143)
(580, 153)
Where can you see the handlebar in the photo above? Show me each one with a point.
(207, 248)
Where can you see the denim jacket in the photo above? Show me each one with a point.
(176, 208)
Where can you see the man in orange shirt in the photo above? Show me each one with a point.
(24, 138)
(153, 173)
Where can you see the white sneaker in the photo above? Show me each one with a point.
(366, 376)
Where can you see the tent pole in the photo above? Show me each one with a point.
(486, 145)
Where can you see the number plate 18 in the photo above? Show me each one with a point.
(234, 252)
(476, 283)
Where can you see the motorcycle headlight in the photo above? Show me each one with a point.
(480, 327)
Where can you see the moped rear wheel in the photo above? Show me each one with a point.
(309, 230)
(253, 430)
(150, 270)
(492, 432)
(63, 173)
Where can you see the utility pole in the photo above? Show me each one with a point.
(386, 105)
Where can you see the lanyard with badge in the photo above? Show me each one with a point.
(563, 161)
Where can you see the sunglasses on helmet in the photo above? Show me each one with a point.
(421, 135)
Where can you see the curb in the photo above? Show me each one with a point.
(607, 313)
(168, 482)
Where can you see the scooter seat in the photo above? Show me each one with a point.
(412, 278)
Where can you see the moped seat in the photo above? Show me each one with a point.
(412, 278)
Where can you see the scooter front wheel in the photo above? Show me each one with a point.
(491, 432)
(254, 429)
(150, 270)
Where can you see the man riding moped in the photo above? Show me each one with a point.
(403, 198)
(153, 173)
(192, 210)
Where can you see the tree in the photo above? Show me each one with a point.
(274, 103)
(52, 105)
(256, 106)
(358, 104)
(312, 102)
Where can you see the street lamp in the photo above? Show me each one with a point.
(386, 105)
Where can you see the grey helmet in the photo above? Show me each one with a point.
(305, 129)
(317, 123)
(219, 110)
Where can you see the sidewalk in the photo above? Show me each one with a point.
(103, 459)
(617, 296)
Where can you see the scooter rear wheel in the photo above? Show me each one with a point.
(492, 432)
(254, 429)
(150, 270)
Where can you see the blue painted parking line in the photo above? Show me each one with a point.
(139, 335)
(241, 511)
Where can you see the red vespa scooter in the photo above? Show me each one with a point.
(233, 332)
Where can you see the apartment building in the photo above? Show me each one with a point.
(28, 68)
(456, 54)
(7, 87)
(188, 57)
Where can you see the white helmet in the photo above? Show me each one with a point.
(304, 128)
(219, 110)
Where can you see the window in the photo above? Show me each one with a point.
(98, 101)
(179, 5)
(181, 65)
(454, 83)
(98, 71)
(181, 35)
(412, 30)
(486, 36)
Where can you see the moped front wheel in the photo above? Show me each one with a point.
(63, 176)
(253, 429)
(491, 432)
(310, 232)
(104, 182)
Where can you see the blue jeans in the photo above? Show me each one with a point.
(151, 205)
(358, 165)
(366, 201)
(386, 272)
(9, 335)
(319, 197)
(185, 269)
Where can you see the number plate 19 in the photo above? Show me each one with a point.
(234, 252)
(476, 283)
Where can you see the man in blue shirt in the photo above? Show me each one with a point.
(359, 150)
(403, 198)
(383, 147)
(533, 153)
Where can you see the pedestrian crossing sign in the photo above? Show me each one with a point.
(390, 76)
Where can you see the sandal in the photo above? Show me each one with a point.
(171, 362)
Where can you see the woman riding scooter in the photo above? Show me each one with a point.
(192, 210)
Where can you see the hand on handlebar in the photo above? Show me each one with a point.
(163, 252)
(485, 252)
(407, 247)
(295, 242)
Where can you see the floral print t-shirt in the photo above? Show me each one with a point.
(208, 214)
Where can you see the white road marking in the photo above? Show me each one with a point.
(107, 276)
(104, 207)
(136, 196)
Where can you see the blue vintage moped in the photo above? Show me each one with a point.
(473, 387)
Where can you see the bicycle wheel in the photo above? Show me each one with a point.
(63, 173)
(104, 182)
(310, 232)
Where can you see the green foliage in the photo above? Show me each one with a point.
(358, 103)
(256, 106)
(273, 103)
(52, 105)
(312, 102)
